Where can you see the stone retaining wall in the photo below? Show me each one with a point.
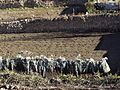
(98, 23)
(36, 3)
(24, 3)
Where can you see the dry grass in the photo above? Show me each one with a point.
(16, 13)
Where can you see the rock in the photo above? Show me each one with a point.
(4, 75)
(55, 81)
(5, 86)
(2, 89)
(15, 87)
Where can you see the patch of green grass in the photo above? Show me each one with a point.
(90, 7)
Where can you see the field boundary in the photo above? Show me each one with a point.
(69, 24)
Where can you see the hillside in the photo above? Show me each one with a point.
(101, 42)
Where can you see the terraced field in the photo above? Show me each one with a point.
(95, 45)
(58, 44)
(69, 45)
(63, 44)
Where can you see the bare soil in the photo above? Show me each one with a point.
(58, 44)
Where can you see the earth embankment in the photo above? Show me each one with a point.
(69, 24)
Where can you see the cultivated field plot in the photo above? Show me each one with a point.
(58, 44)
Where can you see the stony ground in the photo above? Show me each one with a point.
(15, 81)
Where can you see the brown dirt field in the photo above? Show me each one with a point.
(58, 44)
